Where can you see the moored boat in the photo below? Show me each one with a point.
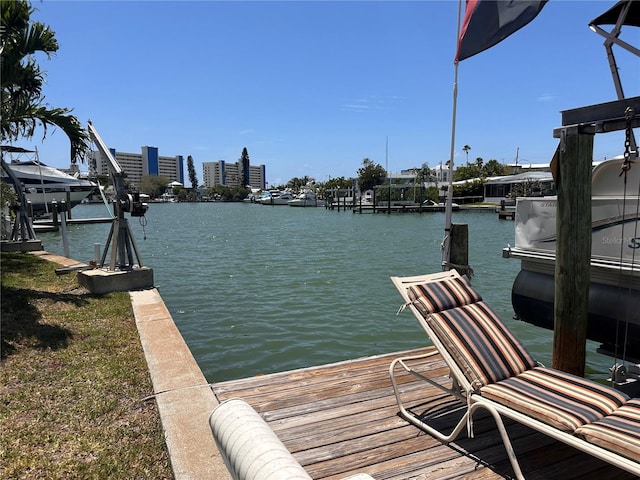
(275, 197)
(614, 293)
(42, 184)
(614, 283)
(431, 206)
(306, 199)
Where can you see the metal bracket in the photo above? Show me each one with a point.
(601, 118)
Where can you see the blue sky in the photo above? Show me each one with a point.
(313, 88)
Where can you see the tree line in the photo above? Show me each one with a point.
(370, 175)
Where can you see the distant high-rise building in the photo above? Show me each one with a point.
(233, 174)
(136, 165)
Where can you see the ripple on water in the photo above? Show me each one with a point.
(257, 289)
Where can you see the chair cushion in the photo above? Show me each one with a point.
(618, 432)
(556, 398)
(483, 347)
(441, 295)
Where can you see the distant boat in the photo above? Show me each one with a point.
(306, 199)
(43, 184)
(431, 206)
(167, 197)
(259, 196)
(275, 197)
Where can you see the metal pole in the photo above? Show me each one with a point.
(446, 242)
(388, 176)
(63, 229)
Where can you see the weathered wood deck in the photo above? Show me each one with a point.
(341, 419)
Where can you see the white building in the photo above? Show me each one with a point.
(230, 174)
(136, 165)
(443, 173)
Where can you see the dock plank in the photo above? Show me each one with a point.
(342, 419)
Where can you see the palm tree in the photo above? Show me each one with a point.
(466, 149)
(21, 79)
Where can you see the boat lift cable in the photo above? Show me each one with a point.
(104, 199)
(143, 223)
(618, 372)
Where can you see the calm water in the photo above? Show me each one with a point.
(258, 289)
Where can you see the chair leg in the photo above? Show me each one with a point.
(463, 422)
(503, 434)
(411, 417)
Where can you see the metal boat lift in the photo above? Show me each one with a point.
(120, 239)
(22, 229)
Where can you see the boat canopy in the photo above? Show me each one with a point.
(610, 17)
(521, 178)
(11, 149)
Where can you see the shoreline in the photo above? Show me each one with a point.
(184, 398)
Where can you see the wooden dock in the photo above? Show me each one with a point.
(342, 419)
(52, 225)
(402, 208)
(506, 213)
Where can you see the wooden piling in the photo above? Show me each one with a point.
(573, 253)
(459, 247)
(54, 213)
(68, 212)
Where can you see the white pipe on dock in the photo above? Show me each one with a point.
(250, 449)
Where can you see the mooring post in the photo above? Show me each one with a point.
(459, 247)
(68, 197)
(54, 213)
(573, 253)
(63, 228)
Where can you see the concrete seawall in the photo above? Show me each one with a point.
(184, 398)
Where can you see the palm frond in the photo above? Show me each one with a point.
(23, 108)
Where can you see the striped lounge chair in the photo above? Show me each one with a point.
(492, 370)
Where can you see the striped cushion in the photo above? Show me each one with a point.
(556, 398)
(434, 297)
(482, 346)
(618, 432)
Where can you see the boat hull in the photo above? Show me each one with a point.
(306, 201)
(43, 185)
(614, 287)
(41, 202)
(614, 311)
(275, 201)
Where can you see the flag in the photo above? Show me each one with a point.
(488, 22)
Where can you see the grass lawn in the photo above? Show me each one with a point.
(76, 397)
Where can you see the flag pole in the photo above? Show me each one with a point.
(446, 241)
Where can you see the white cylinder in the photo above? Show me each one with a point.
(250, 449)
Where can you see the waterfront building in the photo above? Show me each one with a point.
(231, 174)
(442, 173)
(533, 183)
(528, 167)
(136, 165)
(405, 176)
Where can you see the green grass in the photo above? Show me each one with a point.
(76, 397)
